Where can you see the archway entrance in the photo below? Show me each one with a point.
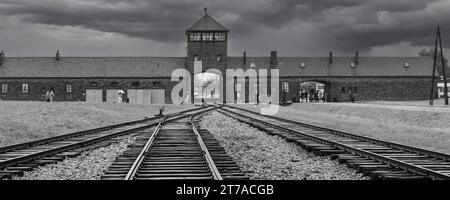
(313, 91)
(207, 87)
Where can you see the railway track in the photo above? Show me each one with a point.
(16, 159)
(175, 149)
(376, 158)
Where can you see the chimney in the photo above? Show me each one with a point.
(244, 59)
(2, 57)
(57, 55)
(273, 59)
(357, 58)
(330, 58)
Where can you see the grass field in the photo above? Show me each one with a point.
(22, 121)
(406, 123)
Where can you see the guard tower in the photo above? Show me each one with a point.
(207, 42)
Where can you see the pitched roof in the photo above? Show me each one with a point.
(164, 66)
(91, 66)
(318, 66)
(207, 23)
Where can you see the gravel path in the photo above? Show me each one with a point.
(267, 157)
(90, 165)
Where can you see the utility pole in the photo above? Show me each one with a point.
(443, 68)
(434, 69)
(439, 38)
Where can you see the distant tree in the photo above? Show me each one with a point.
(430, 53)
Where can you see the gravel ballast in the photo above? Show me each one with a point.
(262, 156)
(90, 165)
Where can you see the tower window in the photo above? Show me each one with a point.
(207, 36)
(25, 88)
(195, 36)
(4, 88)
(220, 36)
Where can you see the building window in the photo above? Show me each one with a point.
(343, 90)
(69, 88)
(221, 37)
(285, 87)
(4, 88)
(94, 84)
(207, 36)
(25, 88)
(195, 37)
(42, 90)
(219, 58)
(135, 84)
(157, 83)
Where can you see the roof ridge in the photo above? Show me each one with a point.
(207, 23)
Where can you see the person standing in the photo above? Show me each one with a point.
(301, 96)
(352, 98)
(52, 95)
(47, 96)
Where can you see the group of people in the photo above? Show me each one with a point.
(50, 96)
(122, 97)
(312, 95)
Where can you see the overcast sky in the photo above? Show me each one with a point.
(157, 27)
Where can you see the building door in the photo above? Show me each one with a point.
(157, 96)
(94, 95)
(140, 97)
(112, 96)
(131, 94)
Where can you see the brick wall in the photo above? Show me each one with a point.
(39, 86)
(368, 88)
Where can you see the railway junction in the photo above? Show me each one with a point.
(177, 146)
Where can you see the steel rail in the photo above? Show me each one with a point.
(137, 163)
(81, 133)
(212, 166)
(39, 154)
(360, 152)
(411, 149)
(52, 151)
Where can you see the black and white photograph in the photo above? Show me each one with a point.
(236, 91)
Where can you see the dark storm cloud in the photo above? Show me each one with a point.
(346, 25)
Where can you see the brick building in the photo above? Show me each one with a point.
(147, 79)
